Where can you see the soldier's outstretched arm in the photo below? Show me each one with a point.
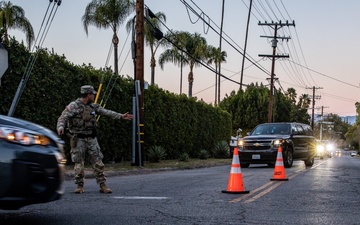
(112, 114)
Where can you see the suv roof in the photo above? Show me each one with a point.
(282, 128)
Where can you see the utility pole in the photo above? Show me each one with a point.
(139, 70)
(313, 104)
(219, 69)
(322, 121)
(274, 41)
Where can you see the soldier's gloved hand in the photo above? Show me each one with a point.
(127, 116)
(60, 131)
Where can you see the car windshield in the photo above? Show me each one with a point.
(265, 129)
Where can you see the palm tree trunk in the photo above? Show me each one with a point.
(191, 80)
(216, 74)
(152, 65)
(181, 74)
(115, 42)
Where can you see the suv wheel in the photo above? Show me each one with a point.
(310, 161)
(288, 158)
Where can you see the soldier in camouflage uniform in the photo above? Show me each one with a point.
(80, 117)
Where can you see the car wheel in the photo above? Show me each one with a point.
(288, 158)
(244, 165)
(310, 161)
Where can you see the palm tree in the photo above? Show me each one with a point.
(151, 41)
(216, 56)
(291, 95)
(304, 101)
(13, 17)
(195, 48)
(105, 14)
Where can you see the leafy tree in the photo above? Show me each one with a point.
(195, 48)
(13, 17)
(250, 107)
(108, 14)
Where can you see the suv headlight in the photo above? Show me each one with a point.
(23, 136)
(277, 142)
(320, 148)
(240, 143)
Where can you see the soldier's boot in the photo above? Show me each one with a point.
(104, 189)
(79, 189)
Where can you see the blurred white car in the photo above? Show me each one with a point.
(353, 153)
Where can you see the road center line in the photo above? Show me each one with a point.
(267, 190)
(251, 193)
(141, 197)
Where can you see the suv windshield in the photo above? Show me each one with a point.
(265, 129)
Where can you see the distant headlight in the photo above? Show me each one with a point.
(329, 147)
(23, 136)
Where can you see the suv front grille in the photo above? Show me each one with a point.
(258, 145)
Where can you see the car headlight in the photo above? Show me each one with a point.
(330, 147)
(277, 142)
(240, 144)
(320, 148)
(23, 136)
(60, 158)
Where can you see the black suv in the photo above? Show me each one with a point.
(261, 145)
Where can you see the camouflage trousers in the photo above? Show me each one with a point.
(91, 147)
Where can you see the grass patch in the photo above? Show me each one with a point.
(163, 164)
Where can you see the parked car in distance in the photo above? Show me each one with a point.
(32, 164)
(353, 153)
(260, 146)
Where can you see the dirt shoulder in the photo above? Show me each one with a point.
(126, 169)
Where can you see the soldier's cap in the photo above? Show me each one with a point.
(87, 89)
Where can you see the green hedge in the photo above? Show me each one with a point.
(175, 122)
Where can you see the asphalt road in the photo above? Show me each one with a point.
(327, 193)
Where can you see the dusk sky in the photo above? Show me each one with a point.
(324, 46)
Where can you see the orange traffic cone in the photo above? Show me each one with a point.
(235, 184)
(279, 170)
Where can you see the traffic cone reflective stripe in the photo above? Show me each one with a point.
(279, 170)
(235, 183)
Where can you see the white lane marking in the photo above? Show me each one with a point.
(141, 197)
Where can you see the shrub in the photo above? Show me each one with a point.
(156, 153)
(184, 157)
(203, 154)
(221, 150)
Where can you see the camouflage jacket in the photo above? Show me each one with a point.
(81, 118)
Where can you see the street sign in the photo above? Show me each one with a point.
(3, 60)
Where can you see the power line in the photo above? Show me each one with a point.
(322, 74)
(33, 56)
